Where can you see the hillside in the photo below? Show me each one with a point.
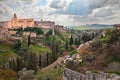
(101, 54)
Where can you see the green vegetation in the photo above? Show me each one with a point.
(51, 74)
(49, 38)
(80, 28)
(95, 71)
(49, 32)
(8, 75)
(114, 72)
(112, 35)
(39, 49)
(5, 53)
(35, 29)
(113, 57)
(73, 52)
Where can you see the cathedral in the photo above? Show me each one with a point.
(16, 23)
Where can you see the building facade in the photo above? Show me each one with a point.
(16, 23)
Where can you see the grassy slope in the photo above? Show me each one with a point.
(52, 73)
(6, 51)
(104, 55)
(39, 49)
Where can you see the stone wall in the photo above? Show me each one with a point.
(73, 75)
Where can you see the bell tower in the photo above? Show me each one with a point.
(14, 21)
(15, 16)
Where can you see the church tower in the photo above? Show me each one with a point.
(15, 16)
(14, 21)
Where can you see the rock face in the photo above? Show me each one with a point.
(73, 75)
(26, 74)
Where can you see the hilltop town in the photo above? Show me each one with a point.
(7, 28)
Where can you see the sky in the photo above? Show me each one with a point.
(63, 12)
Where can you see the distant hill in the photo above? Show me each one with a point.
(99, 26)
(91, 26)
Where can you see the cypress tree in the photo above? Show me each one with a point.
(66, 44)
(71, 40)
(40, 62)
(47, 58)
(29, 39)
(79, 41)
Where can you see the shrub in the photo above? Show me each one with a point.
(112, 35)
(114, 67)
(8, 75)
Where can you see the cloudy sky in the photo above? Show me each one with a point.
(64, 12)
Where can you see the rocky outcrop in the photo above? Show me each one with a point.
(25, 74)
(73, 75)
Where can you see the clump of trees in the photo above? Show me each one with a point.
(49, 32)
(34, 29)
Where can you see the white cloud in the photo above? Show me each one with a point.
(92, 11)
(102, 12)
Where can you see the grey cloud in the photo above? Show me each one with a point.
(96, 3)
(103, 13)
(58, 4)
(113, 2)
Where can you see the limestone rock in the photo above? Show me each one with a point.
(25, 74)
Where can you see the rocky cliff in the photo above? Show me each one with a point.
(73, 75)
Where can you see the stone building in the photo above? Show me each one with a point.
(16, 23)
(45, 24)
(32, 34)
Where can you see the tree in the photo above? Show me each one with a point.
(47, 58)
(19, 31)
(32, 62)
(38, 31)
(54, 49)
(19, 64)
(40, 62)
(66, 44)
(29, 29)
(49, 32)
(79, 41)
(29, 39)
(76, 42)
(12, 65)
(17, 45)
(71, 40)
(35, 29)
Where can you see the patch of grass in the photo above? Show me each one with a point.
(39, 49)
(73, 52)
(51, 74)
(5, 53)
(80, 28)
(95, 71)
(59, 39)
(114, 72)
(61, 47)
